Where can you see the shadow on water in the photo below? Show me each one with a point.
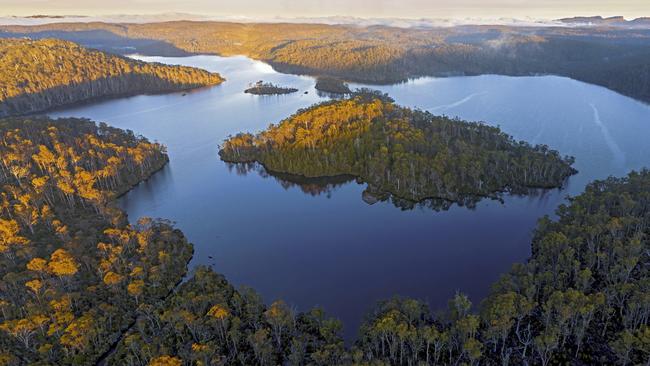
(107, 41)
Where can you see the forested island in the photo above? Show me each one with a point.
(613, 57)
(262, 88)
(332, 85)
(39, 75)
(409, 154)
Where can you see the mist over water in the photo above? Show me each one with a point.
(317, 243)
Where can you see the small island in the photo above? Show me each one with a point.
(262, 88)
(409, 155)
(332, 85)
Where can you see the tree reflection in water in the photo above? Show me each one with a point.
(318, 186)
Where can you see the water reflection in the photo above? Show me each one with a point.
(319, 186)
(326, 186)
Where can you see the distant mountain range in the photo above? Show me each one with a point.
(617, 21)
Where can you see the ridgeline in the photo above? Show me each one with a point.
(615, 58)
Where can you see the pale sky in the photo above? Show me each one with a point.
(540, 9)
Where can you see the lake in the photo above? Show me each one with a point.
(318, 243)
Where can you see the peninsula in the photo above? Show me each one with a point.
(36, 76)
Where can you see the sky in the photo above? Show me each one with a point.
(539, 9)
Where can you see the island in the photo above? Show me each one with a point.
(262, 88)
(332, 85)
(407, 154)
(38, 75)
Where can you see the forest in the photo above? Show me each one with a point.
(39, 75)
(615, 58)
(409, 154)
(79, 284)
(73, 270)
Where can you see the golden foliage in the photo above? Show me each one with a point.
(218, 312)
(62, 70)
(34, 285)
(135, 288)
(165, 361)
(113, 279)
(9, 235)
(62, 263)
(56, 178)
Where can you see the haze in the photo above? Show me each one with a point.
(547, 9)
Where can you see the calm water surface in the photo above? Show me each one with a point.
(326, 247)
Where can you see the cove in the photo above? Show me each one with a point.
(317, 243)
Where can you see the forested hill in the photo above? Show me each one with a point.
(611, 57)
(39, 75)
(408, 153)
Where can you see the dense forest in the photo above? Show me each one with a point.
(609, 56)
(410, 154)
(208, 322)
(39, 75)
(581, 299)
(73, 271)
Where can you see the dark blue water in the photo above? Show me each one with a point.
(323, 246)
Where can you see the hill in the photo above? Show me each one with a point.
(39, 75)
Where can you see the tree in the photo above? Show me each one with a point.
(10, 238)
(280, 317)
(24, 329)
(262, 346)
(62, 264)
(135, 289)
(113, 279)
